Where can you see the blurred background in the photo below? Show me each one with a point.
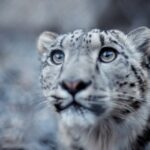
(22, 21)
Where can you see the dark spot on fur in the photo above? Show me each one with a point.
(131, 98)
(143, 47)
(123, 84)
(125, 111)
(97, 68)
(142, 83)
(136, 105)
(113, 41)
(102, 40)
(132, 84)
(124, 55)
(127, 76)
(142, 140)
(117, 119)
(146, 62)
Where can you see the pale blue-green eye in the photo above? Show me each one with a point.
(107, 54)
(57, 57)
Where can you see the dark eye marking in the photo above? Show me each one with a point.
(102, 40)
(57, 57)
(125, 56)
(107, 54)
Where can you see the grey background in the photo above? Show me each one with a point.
(21, 21)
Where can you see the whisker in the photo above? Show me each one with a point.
(49, 102)
(121, 105)
(126, 96)
(95, 102)
(129, 99)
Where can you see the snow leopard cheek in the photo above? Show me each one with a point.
(109, 74)
(49, 79)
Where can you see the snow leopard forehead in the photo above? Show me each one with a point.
(91, 39)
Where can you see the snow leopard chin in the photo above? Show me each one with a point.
(73, 117)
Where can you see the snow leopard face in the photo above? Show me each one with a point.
(95, 75)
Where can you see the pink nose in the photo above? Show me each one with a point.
(74, 86)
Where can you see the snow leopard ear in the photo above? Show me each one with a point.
(45, 40)
(140, 37)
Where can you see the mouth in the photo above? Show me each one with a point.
(59, 107)
(94, 108)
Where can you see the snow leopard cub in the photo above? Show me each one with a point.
(98, 82)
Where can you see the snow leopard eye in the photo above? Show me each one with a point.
(57, 57)
(107, 54)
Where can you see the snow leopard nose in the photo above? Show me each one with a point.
(74, 87)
